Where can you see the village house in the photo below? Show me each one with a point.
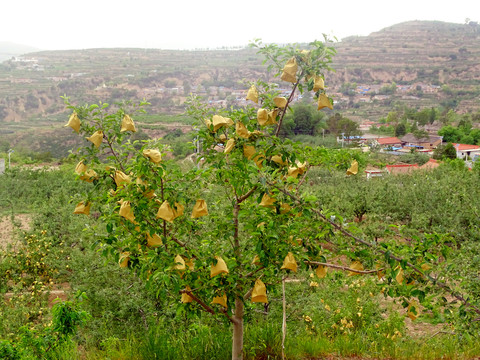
(465, 151)
(429, 142)
(430, 165)
(387, 142)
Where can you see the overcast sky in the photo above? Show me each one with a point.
(190, 24)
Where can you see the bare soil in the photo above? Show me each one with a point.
(8, 228)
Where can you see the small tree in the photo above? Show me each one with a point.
(400, 130)
(241, 233)
(449, 151)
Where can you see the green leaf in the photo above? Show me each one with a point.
(419, 294)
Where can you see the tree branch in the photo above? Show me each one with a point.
(374, 247)
(113, 152)
(303, 177)
(205, 306)
(247, 195)
(277, 131)
(344, 268)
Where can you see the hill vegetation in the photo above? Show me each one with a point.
(430, 64)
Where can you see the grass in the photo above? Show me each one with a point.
(130, 322)
(164, 118)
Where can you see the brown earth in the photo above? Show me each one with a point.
(8, 228)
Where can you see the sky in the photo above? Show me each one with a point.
(196, 24)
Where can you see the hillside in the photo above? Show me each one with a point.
(416, 51)
(432, 63)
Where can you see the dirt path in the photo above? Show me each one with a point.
(58, 292)
(7, 228)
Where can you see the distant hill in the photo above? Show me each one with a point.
(414, 51)
(8, 49)
(427, 63)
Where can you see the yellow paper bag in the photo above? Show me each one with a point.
(285, 208)
(267, 201)
(324, 101)
(296, 242)
(148, 193)
(208, 123)
(262, 116)
(248, 151)
(279, 160)
(289, 73)
(380, 273)
(127, 124)
(126, 211)
(179, 263)
(318, 84)
(252, 94)
(229, 146)
(178, 210)
(123, 260)
(289, 262)
(89, 175)
(80, 168)
(426, 267)
(140, 182)
(190, 264)
(259, 293)
(74, 122)
(154, 241)
(221, 300)
(356, 265)
(219, 268)
(96, 138)
(293, 171)
(165, 212)
(82, 208)
(299, 169)
(272, 117)
(242, 130)
(85, 174)
(353, 169)
(154, 155)
(220, 121)
(200, 209)
(412, 311)
(321, 271)
(185, 297)
(280, 102)
(399, 276)
(121, 178)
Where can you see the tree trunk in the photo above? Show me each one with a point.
(237, 341)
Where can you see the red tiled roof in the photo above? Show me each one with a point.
(401, 168)
(389, 140)
(463, 147)
(430, 164)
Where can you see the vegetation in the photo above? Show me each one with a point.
(285, 244)
(129, 320)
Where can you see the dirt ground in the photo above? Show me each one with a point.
(8, 229)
